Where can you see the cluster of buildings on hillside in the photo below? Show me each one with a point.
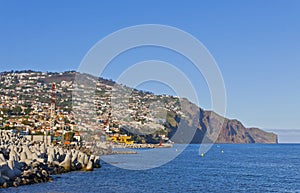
(115, 108)
(94, 109)
(25, 104)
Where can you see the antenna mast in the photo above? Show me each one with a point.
(52, 107)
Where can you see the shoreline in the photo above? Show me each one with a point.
(142, 146)
(25, 162)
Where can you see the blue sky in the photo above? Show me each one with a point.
(255, 43)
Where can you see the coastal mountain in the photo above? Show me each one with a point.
(149, 118)
(226, 130)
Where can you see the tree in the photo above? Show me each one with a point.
(26, 122)
(27, 111)
(17, 110)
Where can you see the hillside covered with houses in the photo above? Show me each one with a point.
(96, 109)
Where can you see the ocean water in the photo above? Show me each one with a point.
(241, 168)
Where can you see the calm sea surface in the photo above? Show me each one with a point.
(241, 168)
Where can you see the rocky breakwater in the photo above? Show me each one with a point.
(24, 162)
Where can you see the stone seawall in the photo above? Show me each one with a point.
(25, 162)
(39, 138)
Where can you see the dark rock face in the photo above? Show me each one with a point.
(233, 131)
(209, 127)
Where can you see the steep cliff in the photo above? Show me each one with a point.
(209, 127)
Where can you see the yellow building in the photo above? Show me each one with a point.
(121, 139)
